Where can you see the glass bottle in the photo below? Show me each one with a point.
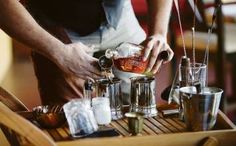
(128, 57)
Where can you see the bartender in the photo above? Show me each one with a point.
(63, 35)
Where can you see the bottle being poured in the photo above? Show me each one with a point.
(127, 57)
(106, 67)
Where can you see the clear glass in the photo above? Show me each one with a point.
(101, 110)
(194, 75)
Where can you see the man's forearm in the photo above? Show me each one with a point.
(18, 23)
(159, 14)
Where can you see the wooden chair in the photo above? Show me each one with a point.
(21, 127)
(12, 124)
(222, 45)
(11, 101)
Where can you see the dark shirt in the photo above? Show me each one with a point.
(82, 16)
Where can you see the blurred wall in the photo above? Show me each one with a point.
(5, 54)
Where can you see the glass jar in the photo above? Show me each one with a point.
(101, 110)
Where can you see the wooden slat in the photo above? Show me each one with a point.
(223, 121)
(159, 125)
(124, 124)
(55, 135)
(119, 128)
(145, 130)
(167, 125)
(181, 123)
(153, 129)
(173, 123)
(62, 133)
(67, 130)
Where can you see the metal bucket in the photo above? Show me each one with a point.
(143, 95)
(111, 88)
(200, 109)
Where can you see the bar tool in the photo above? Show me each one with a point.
(200, 109)
(135, 122)
(49, 116)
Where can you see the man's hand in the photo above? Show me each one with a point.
(158, 14)
(77, 63)
(154, 45)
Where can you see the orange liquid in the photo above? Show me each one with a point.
(132, 64)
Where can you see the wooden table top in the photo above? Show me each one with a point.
(152, 126)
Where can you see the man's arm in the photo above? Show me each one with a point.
(156, 42)
(158, 16)
(18, 23)
(72, 59)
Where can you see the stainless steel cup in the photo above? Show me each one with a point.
(111, 88)
(200, 109)
(143, 95)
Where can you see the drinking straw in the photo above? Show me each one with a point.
(206, 56)
(180, 25)
(193, 32)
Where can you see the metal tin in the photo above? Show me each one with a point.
(200, 109)
(111, 88)
(143, 95)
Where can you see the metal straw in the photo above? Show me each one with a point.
(180, 25)
(193, 45)
(206, 56)
(193, 32)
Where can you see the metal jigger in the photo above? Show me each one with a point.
(135, 122)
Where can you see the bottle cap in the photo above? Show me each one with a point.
(88, 85)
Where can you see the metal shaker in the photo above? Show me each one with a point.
(143, 95)
(200, 109)
(111, 88)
